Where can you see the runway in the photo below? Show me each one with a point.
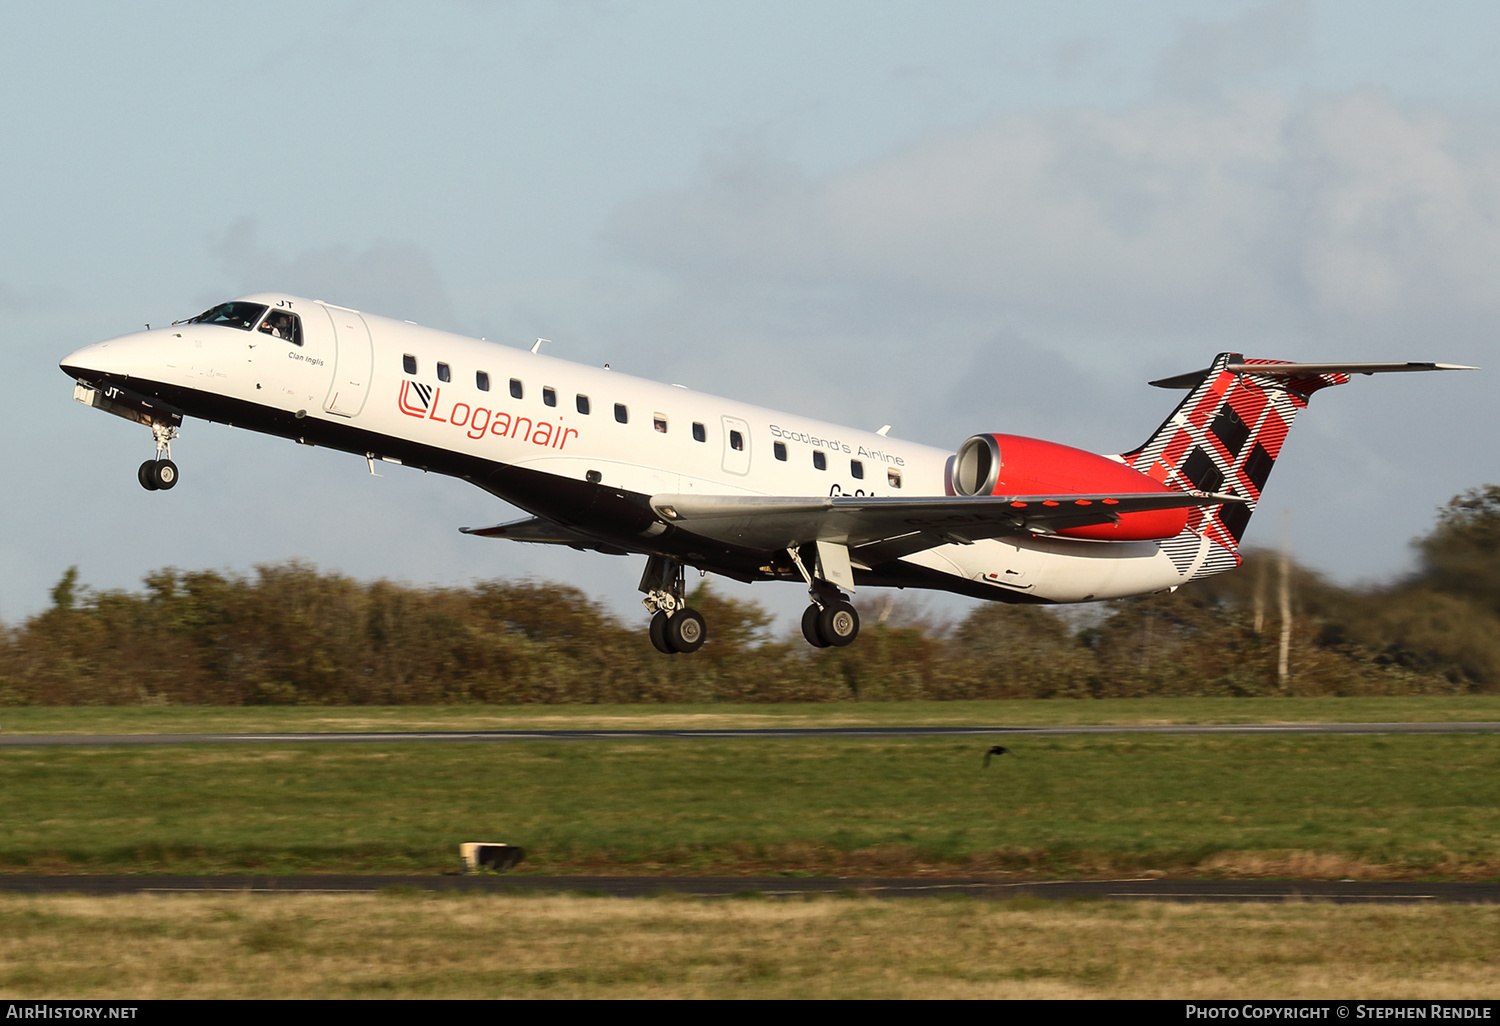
(392, 737)
(1335, 891)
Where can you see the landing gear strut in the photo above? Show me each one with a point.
(159, 474)
(674, 627)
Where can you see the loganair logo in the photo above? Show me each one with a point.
(415, 399)
(425, 402)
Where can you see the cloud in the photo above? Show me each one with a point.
(1241, 217)
(1211, 56)
(395, 279)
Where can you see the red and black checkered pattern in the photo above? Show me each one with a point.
(1225, 437)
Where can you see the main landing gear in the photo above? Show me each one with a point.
(830, 621)
(159, 474)
(674, 627)
(834, 623)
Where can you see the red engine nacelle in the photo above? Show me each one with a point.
(1012, 465)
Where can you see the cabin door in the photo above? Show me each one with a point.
(353, 364)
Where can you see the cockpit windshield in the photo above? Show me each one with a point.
(232, 315)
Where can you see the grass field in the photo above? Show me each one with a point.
(481, 946)
(1371, 806)
(1368, 806)
(152, 719)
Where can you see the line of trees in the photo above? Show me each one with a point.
(291, 634)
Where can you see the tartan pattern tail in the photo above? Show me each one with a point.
(1225, 437)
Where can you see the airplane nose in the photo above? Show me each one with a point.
(94, 359)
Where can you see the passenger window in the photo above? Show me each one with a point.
(409, 363)
(820, 461)
(515, 388)
(857, 469)
(780, 450)
(659, 421)
(699, 433)
(444, 374)
(736, 441)
(283, 324)
(482, 379)
(549, 395)
(621, 413)
(893, 478)
(583, 405)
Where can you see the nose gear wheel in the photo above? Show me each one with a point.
(157, 475)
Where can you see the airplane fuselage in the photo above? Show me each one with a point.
(617, 464)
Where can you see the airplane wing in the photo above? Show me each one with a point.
(545, 532)
(877, 529)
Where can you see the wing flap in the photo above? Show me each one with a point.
(545, 532)
(890, 524)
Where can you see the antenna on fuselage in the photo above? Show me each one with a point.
(538, 344)
(882, 431)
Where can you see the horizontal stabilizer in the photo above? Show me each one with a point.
(1306, 370)
(771, 524)
(545, 532)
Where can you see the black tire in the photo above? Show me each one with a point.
(838, 624)
(686, 631)
(164, 473)
(147, 475)
(810, 627)
(659, 635)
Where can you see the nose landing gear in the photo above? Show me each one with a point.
(159, 474)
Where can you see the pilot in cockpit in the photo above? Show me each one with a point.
(279, 324)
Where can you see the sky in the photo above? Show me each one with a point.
(951, 217)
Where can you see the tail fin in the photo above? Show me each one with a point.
(1225, 437)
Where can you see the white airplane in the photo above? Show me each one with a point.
(616, 464)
